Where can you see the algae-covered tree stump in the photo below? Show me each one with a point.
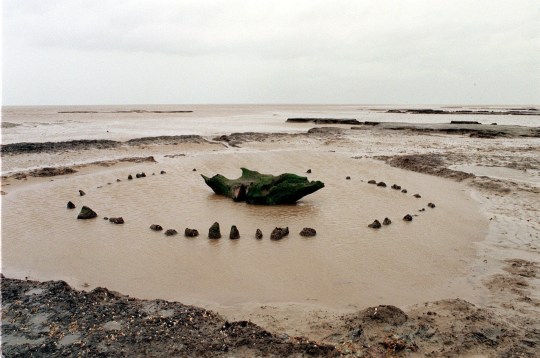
(256, 188)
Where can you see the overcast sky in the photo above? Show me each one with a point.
(250, 51)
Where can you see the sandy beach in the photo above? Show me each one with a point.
(270, 179)
(460, 279)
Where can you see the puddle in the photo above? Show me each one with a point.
(346, 264)
(500, 173)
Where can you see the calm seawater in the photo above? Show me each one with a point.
(46, 123)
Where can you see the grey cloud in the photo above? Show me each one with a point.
(281, 27)
(293, 46)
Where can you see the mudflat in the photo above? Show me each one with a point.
(465, 268)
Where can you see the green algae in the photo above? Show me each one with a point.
(264, 189)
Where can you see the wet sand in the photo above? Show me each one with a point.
(460, 249)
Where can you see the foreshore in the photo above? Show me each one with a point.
(483, 178)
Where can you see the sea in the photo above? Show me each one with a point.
(124, 122)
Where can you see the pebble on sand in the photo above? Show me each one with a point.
(214, 232)
(279, 233)
(375, 224)
(171, 232)
(118, 220)
(86, 213)
(191, 232)
(308, 232)
(258, 234)
(234, 234)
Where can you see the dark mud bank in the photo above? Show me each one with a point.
(433, 164)
(52, 319)
(508, 112)
(472, 130)
(46, 147)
